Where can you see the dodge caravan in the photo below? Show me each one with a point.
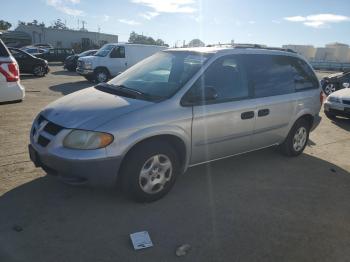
(176, 109)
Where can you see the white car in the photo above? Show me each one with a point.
(10, 87)
(112, 59)
(338, 104)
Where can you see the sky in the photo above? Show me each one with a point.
(269, 22)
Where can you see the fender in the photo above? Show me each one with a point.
(128, 142)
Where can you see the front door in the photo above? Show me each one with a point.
(117, 62)
(223, 125)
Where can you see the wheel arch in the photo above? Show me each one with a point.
(175, 141)
(103, 68)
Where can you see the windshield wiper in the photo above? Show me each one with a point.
(128, 91)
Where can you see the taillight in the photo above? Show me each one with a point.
(321, 97)
(10, 71)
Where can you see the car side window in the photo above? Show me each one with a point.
(303, 76)
(225, 79)
(269, 75)
(118, 52)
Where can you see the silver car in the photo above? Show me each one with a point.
(176, 109)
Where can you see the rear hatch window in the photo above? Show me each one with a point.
(3, 50)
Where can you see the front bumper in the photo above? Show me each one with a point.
(93, 172)
(338, 109)
(84, 72)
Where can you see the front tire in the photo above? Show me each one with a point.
(101, 75)
(297, 138)
(39, 71)
(149, 171)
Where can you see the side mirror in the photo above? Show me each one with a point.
(201, 96)
(346, 85)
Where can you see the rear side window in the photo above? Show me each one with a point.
(269, 75)
(303, 76)
(3, 50)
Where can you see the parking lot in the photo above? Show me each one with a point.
(260, 206)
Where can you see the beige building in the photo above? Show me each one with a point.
(307, 51)
(333, 52)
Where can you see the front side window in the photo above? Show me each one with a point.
(162, 74)
(118, 52)
(269, 75)
(224, 80)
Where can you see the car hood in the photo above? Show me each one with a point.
(90, 108)
(342, 94)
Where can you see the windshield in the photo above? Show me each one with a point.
(162, 74)
(104, 50)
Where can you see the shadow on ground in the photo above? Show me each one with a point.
(71, 87)
(64, 73)
(343, 123)
(255, 207)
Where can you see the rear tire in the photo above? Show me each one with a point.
(297, 138)
(149, 171)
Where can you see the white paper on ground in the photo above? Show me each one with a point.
(141, 240)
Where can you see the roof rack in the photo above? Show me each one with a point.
(255, 46)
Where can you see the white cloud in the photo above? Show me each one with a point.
(318, 20)
(149, 15)
(128, 22)
(276, 21)
(61, 5)
(252, 22)
(295, 18)
(169, 6)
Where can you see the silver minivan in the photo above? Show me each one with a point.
(176, 109)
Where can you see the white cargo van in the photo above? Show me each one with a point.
(112, 59)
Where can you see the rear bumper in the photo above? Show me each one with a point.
(94, 172)
(316, 122)
(12, 91)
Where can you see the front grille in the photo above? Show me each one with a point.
(347, 102)
(52, 128)
(43, 141)
(44, 131)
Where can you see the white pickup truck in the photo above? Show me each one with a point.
(113, 59)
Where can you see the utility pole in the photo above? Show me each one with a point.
(83, 22)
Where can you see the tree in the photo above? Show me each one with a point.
(4, 25)
(146, 40)
(58, 24)
(196, 43)
(21, 23)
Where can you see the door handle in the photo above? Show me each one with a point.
(263, 112)
(247, 115)
(126, 63)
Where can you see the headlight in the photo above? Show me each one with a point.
(88, 65)
(82, 139)
(333, 99)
